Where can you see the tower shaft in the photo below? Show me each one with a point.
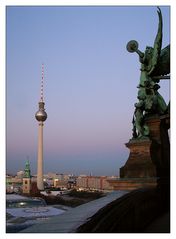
(40, 184)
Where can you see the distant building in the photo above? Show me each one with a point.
(61, 180)
(20, 174)
(13, 184)
(27, 179)
(93, 183)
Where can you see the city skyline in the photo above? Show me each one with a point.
(90, 84)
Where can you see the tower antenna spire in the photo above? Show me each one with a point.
(42, 80)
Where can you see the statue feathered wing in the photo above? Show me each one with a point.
(157, 45)
(160, 62)
(163, 66)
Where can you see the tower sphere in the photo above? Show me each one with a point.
(41, 115)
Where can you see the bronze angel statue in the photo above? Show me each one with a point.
(155, 65)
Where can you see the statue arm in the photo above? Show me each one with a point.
(157, 44)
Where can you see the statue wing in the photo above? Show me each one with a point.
(163, 65)
(157, 44)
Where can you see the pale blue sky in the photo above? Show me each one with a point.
(90, 83)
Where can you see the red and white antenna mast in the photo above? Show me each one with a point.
(42, 80)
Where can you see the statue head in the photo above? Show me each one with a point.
(148, 52)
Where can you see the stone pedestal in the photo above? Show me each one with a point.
(160, 150)
(132, 183)
(139, 163)
(149, 158)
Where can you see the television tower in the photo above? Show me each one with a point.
(40, 116)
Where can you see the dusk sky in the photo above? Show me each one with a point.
(90, 84)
